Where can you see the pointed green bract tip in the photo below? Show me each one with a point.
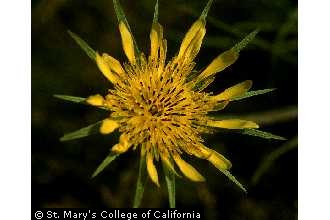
(111, 157)
(83, 132)
(262, 134)
(83, 45)
(252, 93)
(70, 98)
(238, 47)
(206, 10)
(233, 179)
(119, 12)
(155, 20)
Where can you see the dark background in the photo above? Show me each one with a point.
(61, 171)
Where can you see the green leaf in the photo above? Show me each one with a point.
(267, 161)
(122, 18)
(261, 134)
(253, 93)
(141, 181)
(170, 182)
(243, 43)
(155, 19)
(88, 50)
(71, 98)
(83, 132)
(233, 179)
(105, 163)
(206, 10)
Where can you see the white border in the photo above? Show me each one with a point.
(314, 110)
(15, 105)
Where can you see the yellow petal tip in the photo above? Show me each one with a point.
(220, 63)
(189, 171)
(152, 171)
(219, 161)
(127, 42)
(122, 146)
(234, 91)
(105, 69)
(192, 41)
(108, 126)
(95, 100)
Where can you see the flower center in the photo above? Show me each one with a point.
(154, 111)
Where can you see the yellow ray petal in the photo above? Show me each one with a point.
(188, 170)
(154, 43)
(156, 37)
(104, 67)
(162, 56)
(221, 105)
(195, 45)
(113, 64)
(167, 161)
(219, 161)
(122, 146)
(163, 50)
(234, 91)
(108, 126)
(127, 42)
(191, 43)
(233, 124)
(95, 100)
(200, 152)
(152, 171)
(219, 63)
(214, 157)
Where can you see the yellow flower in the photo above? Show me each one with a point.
(159, 105)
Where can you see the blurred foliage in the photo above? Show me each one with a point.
(61, 170)
(270, 158)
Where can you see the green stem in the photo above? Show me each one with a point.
(140, 181)
(170, 182)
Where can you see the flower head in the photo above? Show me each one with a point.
(159, 105)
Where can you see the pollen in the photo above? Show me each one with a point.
(160, 110)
